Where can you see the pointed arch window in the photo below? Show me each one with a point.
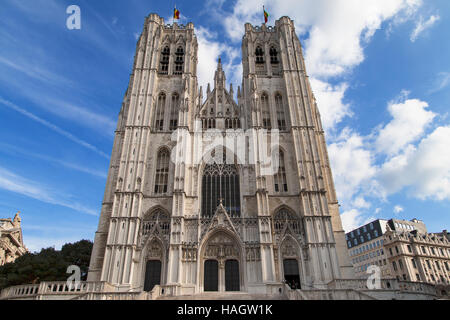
(156, 218)
(281, 117)
(280, 177)
(273, 55)
(160, 107)
(259, 54)
(284, 218)
(265, 112)
(179, 61)
(220, 181)
(174, 108)
(162, 172)
(164, 63)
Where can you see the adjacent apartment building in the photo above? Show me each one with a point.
(11, 241)
(414, 256)
(366, 244)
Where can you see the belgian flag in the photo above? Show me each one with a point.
(176, 13)
(266, 15)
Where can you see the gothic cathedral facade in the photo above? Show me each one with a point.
(177, 218)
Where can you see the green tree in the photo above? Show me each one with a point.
(47, 265)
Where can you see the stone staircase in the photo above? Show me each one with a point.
(225, 296)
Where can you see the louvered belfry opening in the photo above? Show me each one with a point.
(220, 182)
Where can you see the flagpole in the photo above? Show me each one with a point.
(264, 14)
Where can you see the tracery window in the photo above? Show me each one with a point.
(162, 172)
(280, 177)
(179, 61)
(265, 111)
(164, 63)
(281, 117)
(220, 182)
(157, 218)
(285, 218)
(174, 108)
(160, 106)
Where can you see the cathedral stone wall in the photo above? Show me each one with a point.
(174, 214)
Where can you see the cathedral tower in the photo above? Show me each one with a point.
(190, 204)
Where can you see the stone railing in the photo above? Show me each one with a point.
(386, 284)
(55, 288)
(361, 284)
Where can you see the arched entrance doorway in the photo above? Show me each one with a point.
(291, 273)
(232, 277)
(211, 276)
(222, 270)
(152, 274)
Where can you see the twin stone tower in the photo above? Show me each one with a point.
(212, 194)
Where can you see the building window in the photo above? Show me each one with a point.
(362, 239)
(375, 232)
(265, 112)
(438, 266)
(160, 107)
(423, 250)
(280, 112)
(162, 172)
(164, 63)
(368, 236)
(394, 265)
(179, 61)
(273, 55)
(400, 264)
(390, 251)
(417, 277)
(174, 111)
(355, 242)
(428, 264)
(409, 248)
(446, 266)
(396, 249)
(432, 251)
(259, 53)
(220, 182)
(413, 261)
(280, 177)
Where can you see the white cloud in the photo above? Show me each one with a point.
(352, 219)
(410, 119)
(352, 165)
(361, 203)
(330, 102)
(336, 28)
(424, 169)
(422, 25)
(398, 209)
(209, 52)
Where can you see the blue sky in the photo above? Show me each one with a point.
(379, 69)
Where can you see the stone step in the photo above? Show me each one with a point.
(225, 296)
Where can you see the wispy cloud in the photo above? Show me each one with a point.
(441, 82)
(53, 127)
(13, 182)
(422, 25)
(78, 167)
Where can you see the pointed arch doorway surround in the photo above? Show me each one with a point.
(221, 266)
